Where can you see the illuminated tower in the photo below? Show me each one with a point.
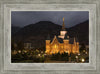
(62, 43)
(66, 43)
(75, 46)
(63, 31)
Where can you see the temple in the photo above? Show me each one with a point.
(62, 43)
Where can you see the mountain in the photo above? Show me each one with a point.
(81, 31)
(15, 29)
(37, 33)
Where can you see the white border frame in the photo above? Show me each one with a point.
(50, 66)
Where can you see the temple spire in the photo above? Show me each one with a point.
(74, 40)
(63, 25)
(63, 19)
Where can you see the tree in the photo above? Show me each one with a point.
(12, 45)
(82, 48)
(20, 46)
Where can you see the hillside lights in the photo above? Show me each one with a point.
(19, 51)
(76, 57)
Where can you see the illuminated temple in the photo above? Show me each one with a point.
(62, 43)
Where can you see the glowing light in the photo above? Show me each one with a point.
(83, 50)
(63, 18)
(61, 46)
(19, 51)
(67, 36)
(45, 54)
(76, 56)
(83, 60)
(38, 54)
(79, 54)
(63, 33)
(41, 51)
(25, 51)
(47, 46)
(66, 51)
(55, 46)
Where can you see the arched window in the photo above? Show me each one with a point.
(55, 46)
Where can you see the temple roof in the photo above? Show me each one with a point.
(71, 40)
(66, 36)
(60, 40)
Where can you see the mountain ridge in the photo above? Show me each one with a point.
(37, 33)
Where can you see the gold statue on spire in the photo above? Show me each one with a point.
(63, 25)
(63, 19)
(74, 39)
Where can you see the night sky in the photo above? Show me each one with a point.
(23, 18)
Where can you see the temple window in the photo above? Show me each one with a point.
(55, 46)
(61, 46)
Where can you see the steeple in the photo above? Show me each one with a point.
(74, 40)
(63, 25)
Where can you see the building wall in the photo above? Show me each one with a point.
(55, 47)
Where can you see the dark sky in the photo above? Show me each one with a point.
(23, 18)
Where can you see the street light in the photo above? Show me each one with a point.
(83, 60)
(19, 51)
(39, 55)
(76, 57)
(79, 54)
(25, 51)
